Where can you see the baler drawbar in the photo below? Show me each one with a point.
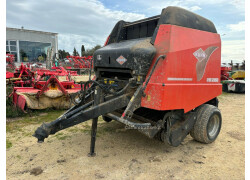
(159, 75)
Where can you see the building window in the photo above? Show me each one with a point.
(13, 43)
(11, 48)
(33, 51)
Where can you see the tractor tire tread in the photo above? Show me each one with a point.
(199, 131)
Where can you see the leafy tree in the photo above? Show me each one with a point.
(90, 52)
(63, 53)
(243, 65)
(75, 52)
(82, 50)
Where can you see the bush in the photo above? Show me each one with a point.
(11, 110)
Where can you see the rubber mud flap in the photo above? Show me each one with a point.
(180, 131)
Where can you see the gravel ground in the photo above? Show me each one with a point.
(127, 154)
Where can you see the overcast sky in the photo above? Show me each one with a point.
(89, 22)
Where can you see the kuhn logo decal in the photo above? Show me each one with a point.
(121, 60)
(200, 54)
(202, 57)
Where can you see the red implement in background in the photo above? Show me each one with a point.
(30, 97)
(10, 61)
(23, 72)
(224, 73)
(75, 62)
(9, 75)
(78, 62)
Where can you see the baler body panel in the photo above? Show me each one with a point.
(190, 74)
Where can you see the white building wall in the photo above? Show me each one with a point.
(32, 36)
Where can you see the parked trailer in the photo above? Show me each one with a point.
(160, 75)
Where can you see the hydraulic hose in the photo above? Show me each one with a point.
(104, 88)
(152, 70)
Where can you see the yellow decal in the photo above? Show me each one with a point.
(148, 98)
(111, 82)
(106, 81)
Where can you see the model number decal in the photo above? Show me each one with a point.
(212, 79)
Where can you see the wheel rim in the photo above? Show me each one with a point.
(213, 126)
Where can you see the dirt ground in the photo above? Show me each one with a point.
(127, 154)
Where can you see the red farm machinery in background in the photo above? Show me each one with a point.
(10, 61)
(159, 75)
(43, 88)
(78, 63)
(225, 72)
(10, 65)
(43, 94)
(232, 81)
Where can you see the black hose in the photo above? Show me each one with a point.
(152, 70)
(104, 88)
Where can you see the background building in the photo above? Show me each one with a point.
(30, 45)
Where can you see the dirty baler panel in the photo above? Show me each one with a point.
(132, 55)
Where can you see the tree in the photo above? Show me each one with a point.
(75, 52)
(243, 65)
(63, 53)
(90, 52)
(82, 51)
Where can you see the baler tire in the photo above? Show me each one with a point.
(107, 119)
(208, 124)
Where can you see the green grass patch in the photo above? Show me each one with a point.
(106, 128)
(27, 134)
(224, 94)
(87, 131)
(18, 125)
(74, 129)
(12, 111)
(61, 136)
(8, 144)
